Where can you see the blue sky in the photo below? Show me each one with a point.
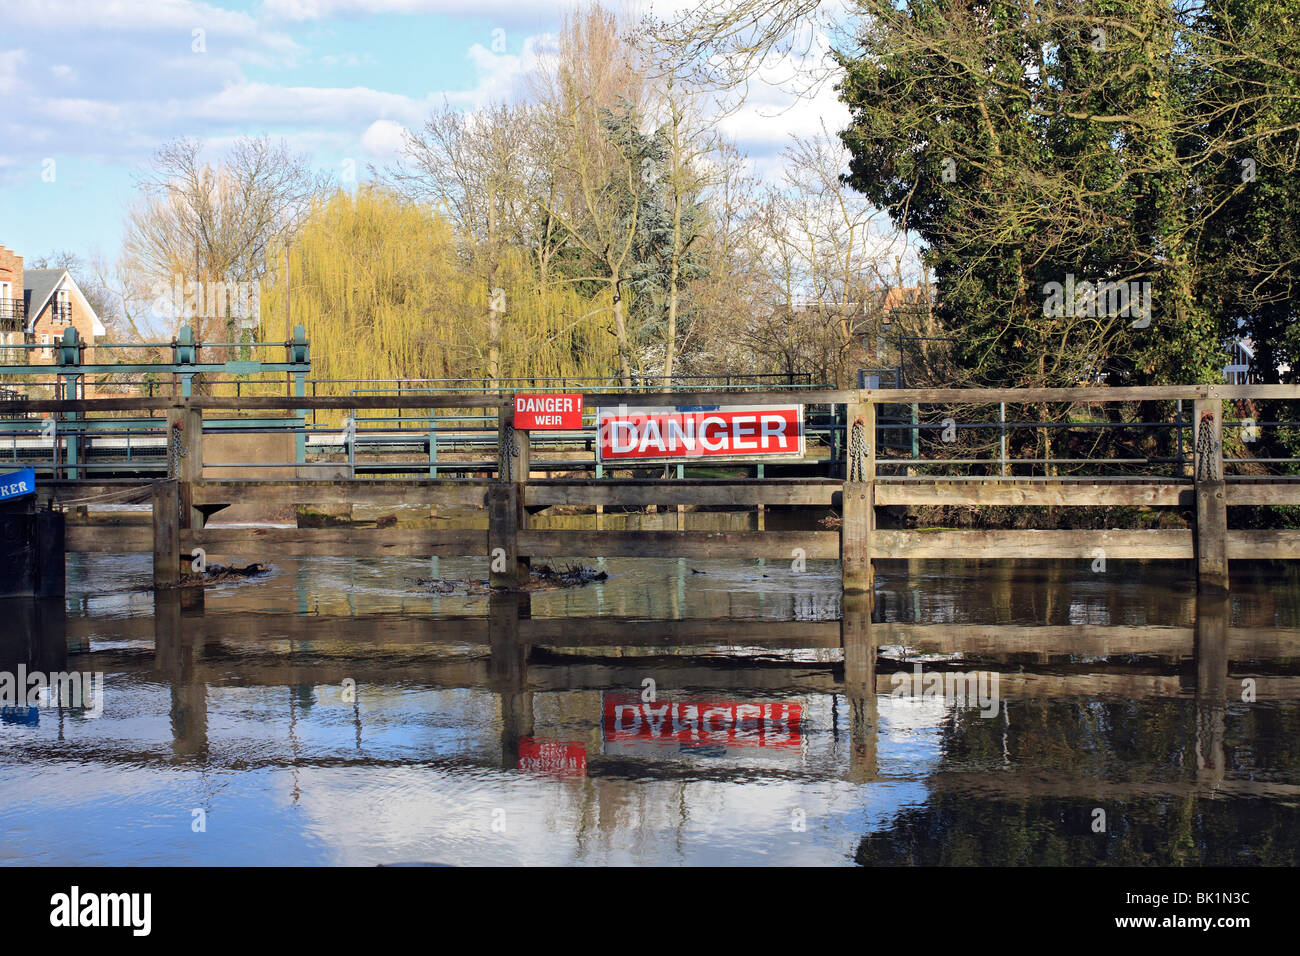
(90, 88)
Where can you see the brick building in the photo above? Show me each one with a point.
(36, 306)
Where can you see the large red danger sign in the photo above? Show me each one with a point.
(733, 431)
(540, 412)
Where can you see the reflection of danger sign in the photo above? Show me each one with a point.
(694, 723)
(553, 758)
(539, 412)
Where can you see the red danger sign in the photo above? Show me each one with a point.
(734, 431)
(540, 412)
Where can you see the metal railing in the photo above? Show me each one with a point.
(958, 434)
(13, 315)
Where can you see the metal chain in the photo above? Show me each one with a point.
(1207, 450)
(858, 450)
(176, 450)
(509, 451)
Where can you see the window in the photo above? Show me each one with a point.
(61, 311)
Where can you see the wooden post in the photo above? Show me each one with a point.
(514, 458)
(1211, 499)
(1211, 651)
(506, 514)
(859, 684)
(166, 534)
(857, 504)
(855, 537)
(189, 466)
(508, 671)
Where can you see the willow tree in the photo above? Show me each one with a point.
(380, 285)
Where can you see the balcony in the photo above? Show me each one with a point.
(61, 312)
(13, 315)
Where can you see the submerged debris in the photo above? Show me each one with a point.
(217, 572)
(570, 577)
(543, 578)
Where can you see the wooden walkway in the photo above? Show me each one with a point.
(184, 502)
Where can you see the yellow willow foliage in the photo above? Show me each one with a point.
(383, 292)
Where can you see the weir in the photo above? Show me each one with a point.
(512, 488)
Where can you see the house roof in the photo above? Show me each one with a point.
(40, 286)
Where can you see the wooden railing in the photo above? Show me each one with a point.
(183, 502)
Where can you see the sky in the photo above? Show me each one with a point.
(89, 89)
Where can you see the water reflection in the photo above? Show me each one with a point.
(733, 712)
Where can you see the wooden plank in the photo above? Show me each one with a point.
(700, 632)
(993, 396)
(1262, 493)
(259, 543)
(930, 396)
(405, 628)
(1242, 545)
(699, 492)
(1091, 640)
(612, 631)
(276, 402)
(418, 629)
(680, 544)
(973, 493)
(635, 493)
(109, 539)
(734, 397)
(358, 491)
(1263, 545)
(112, 492)
(1175, 544)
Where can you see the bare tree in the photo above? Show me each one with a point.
(593, 98)
(477, 168)
(204, 224)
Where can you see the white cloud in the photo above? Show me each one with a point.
(238, 31)
(11, 62)
(384, 139)
(504, 10)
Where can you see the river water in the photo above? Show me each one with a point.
(340, 711)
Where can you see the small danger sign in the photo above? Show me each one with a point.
(540, 412)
